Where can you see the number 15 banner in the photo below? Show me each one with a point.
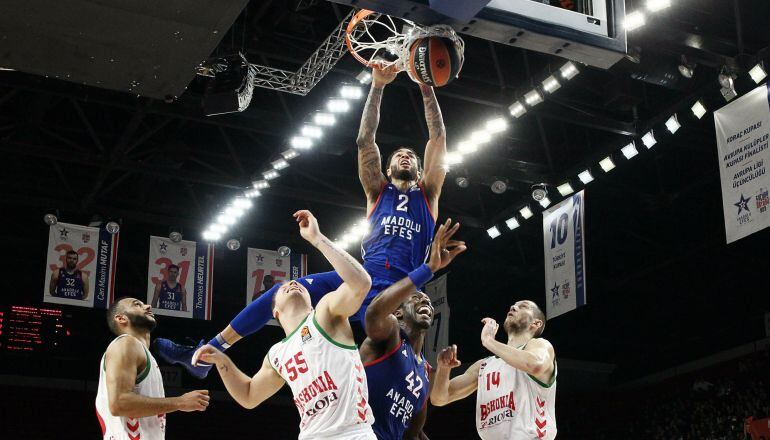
(564, 246)
(180, 278)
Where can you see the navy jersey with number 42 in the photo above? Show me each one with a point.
(401, 231)
(398, 390)
(170, 298)
(70, 285)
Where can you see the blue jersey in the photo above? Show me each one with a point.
(398, 390)
(70, 285)
(170, 299)
(401, 230)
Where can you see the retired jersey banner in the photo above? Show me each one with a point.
(180, 278)
(80, 266)
(267, 268)
(564, 246)
(742, 129)
(437, 337)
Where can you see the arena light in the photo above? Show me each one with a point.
(301, 142)
(569, 70)
(607, 164)
(290, 154)
(365, 77)
(698, 109)
(453, 158)
(467, 147)
(252, 193)
(234, 211)
(496, 125)
(324, 119)
(336, 105)
(586, 177)
(533, 98)
(672, 124)
(657, 5)
(260, 184)
(351, 92)
(545, 202)
(225, 220)
(480, 137)
(217, 228)
(517, 109)
(312, 131)
(512, 223)
(649, 139)
(211, 236)
(551, 84)
(243, 203)
(634, 20)
(525, 212)
(279, 164)
(493, 232)
(270, 175)
(629, 150)
(565, 189)
(758, 73)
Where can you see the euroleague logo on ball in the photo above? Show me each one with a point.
(422, 65)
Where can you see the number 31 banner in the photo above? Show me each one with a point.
(564, 245)
(80, 267)
(180, 278)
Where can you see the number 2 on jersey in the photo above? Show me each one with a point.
(403, 199)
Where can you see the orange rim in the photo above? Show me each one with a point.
(357, 18)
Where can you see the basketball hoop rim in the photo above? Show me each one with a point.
(357, 18)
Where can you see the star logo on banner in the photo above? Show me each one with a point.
(63, 233)
(260, 258)
(163, 246)
(743, 205)
(555, 291)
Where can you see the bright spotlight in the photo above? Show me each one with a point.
(290, 154)
(496, 125)
(634, 20)
(512, 223)
(673, 124)
(260, 184)
(698, 109)
(365, 77)
(270, 175)
(312, 131)
(337, 105)
(629, 150)
(211, 236)
(649, 139)
(242, 203)
(758, 73)
(586, 177)
(279, 164)
(533, 98)
(551, 84)
(223, 219)
(453, 158)
(525, 212)
(467, 147)
(517, 109)
(657, 5)
(565, 189)
(218, 228)
(569, 70)
(480, 137)
(253, 193)
(493, 232)
(324, 119)
(351, 92)
(607, 164)
(301, 142)
(545, 202)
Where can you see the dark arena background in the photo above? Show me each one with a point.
(128, 112)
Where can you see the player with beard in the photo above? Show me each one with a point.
(396, 371)
(515, 388)
(402, 211)
(170, 294)
(69, 281)
(130, 401)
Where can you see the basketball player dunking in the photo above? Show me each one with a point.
(402, 210)
(130, 401)
(397, 373)
(69, 281)
(515, 388)
(318, 358)
(170, 294)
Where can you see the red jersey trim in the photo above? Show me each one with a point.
(427, 204)
(385, 356)
(101, 422)
(377, 202)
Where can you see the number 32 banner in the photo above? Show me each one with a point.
(180, 278)
(80, 267)
(564, 245)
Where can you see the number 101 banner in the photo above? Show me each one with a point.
(180, 278)
(564, 246)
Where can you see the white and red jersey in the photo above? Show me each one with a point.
(328, 382)
(512, 405)
(149, 383)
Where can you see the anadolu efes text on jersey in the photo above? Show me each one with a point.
(328, 382)
(401, 230)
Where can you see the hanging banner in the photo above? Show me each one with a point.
(80, 266)
(180, 278)
(564, 247)
(742, 128)
(267, 268)
(437, 337)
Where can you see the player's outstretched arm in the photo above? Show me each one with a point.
(347, 299)
(121, 361)
(536, 359)
(369, 160)
(381, 325)
(445, 391)
(435, 149)
(247, 391)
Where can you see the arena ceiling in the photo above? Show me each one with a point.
(663, 287)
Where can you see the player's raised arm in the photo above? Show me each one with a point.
(347, 299)
(369, 160)
(435, 149)
(381, 325)
(445, 391)
(247, 391)
(121, 361)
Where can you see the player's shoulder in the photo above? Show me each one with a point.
(127, 346)
(539, 343)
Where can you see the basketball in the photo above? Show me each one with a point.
(434, 61)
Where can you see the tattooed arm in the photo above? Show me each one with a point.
(369, 160)
(435, 150)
